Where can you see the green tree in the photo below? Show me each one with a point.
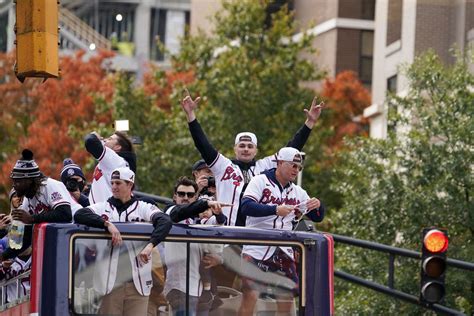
(252, 84)
(420, 176)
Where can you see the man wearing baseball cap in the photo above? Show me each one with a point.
(233, 175)
(130, 286)
(273, 201)
(204, 178)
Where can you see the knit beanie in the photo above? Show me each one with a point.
(26, 167)
(70, 169)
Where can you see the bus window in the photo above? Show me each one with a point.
(225, 279)
(101, 272)
(191, 275)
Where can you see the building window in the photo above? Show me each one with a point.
(366, 56)
(368, 10)
(394, 25)
(392, 84)
(3, 31)
(161, 31)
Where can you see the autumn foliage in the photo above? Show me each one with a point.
(54, 107)
(160, 84)
(346, 99)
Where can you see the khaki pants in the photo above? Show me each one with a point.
(124, 301)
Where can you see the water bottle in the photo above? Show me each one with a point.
(15, 234)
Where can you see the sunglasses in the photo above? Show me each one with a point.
(295, 165)
(182, 194)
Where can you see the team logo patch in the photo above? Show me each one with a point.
(70, 172)
(104, 217)
(56, 196)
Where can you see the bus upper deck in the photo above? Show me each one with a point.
(71, 263)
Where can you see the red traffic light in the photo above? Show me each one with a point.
(436, 241)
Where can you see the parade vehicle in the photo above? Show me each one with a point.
(65, 258)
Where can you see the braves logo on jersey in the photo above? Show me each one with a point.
(230, 174)
(268, 198)
(97, 173)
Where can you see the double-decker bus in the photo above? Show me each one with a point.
(66, 258)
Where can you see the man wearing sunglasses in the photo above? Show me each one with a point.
(233, 175)
(273, 201)
(185, 210)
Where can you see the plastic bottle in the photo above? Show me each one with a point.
(15, 234)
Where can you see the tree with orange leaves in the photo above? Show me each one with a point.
(346, 99)
(61, 112)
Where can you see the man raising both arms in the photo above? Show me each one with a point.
(232, 176)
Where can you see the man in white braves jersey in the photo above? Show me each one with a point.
(232, 176)
(184, 210)
(113, 152)
(44, 200)
(125, 292)
(273, 201)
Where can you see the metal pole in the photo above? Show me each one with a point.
(391, 270)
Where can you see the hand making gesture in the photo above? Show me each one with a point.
(313, 113)
(189, 105)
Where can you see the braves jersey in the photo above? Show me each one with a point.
(18, 267)
(101, 188)
(230, 181)
(175, 260)
(51, 194)
(264, 190)
(106, 273)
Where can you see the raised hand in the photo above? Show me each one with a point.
(313, 113)
(189, 105)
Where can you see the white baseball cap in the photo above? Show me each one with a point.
(290, 154)
(246, 137)
(123, 173)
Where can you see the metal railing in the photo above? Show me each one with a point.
(389, 289)
(20, 296)
(79, 32)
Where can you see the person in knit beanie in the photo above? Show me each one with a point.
(75, 181)
(44, 200)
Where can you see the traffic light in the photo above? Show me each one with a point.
(433, 265)
(36, 42)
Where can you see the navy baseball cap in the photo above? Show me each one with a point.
(200, 164)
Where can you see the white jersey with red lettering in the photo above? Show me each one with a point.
(230, 180)
(51, 194)
(18, 267)
(106, 273)
(101, 188)
(263, 190)
(175, 260)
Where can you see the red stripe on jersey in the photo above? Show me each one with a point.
(215, 160)
(102, 154)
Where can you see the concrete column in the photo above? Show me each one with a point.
(10, 29)
(175, 24)
(142, 30)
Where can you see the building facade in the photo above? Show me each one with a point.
(403, 30)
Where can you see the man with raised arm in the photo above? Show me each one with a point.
(113, 152)
(233, 175)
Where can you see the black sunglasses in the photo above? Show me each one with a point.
(182, 194)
